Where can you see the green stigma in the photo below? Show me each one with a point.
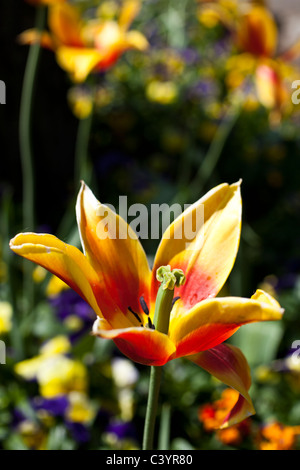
(170, 279)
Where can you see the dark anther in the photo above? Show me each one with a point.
(175, 300)
(150, 324)
(144, 305)
(135, 314)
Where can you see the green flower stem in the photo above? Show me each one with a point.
(25, 123)
(154, 386)
(163, 306)
(82, 171)
(215, 150)
(5, 219)
(212, 157)
(164, 430)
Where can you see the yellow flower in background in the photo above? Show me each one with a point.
(55, 286)
(84, 46)
(55, 373)
(81, 102)
(57, 345)
(213, 12)
(162, 92)
(32, 434)
(6, 313)
(80, 409)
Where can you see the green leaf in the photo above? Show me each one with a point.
(259, 341)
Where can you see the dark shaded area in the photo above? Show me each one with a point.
(53, 127)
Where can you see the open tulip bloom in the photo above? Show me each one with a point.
(85, 46)
(171, 311)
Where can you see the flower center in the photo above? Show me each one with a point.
(165, 299)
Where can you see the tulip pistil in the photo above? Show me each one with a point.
(165, 300)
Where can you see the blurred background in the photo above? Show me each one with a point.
(202, 93)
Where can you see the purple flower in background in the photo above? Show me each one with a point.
(121, 430)
(79, 432)
(203, 89)
(55, 406)
(223, 46)
(18, 417)
(69, 304)
(190, 56)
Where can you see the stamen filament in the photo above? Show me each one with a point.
(135, 314)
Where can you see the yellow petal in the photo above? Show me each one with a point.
(264, 297)
(29, 368)
(212, 321)
(78, 61)
(129, 11)
(65, 24)
(136, 40)
(65, 261)
(113, 249)
(207, 256)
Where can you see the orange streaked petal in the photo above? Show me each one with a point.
(79, 62)
(206, 257)
(65, 24)
(142, 345)
(212, 321)
(257, 32)
(33, 36)
(65, 261)
(114, 250)
(228, 364)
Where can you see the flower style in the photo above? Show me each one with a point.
(82, 47)
(114, 277)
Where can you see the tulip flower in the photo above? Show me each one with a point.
(255, 37)
(113, 277)
(82, 47)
